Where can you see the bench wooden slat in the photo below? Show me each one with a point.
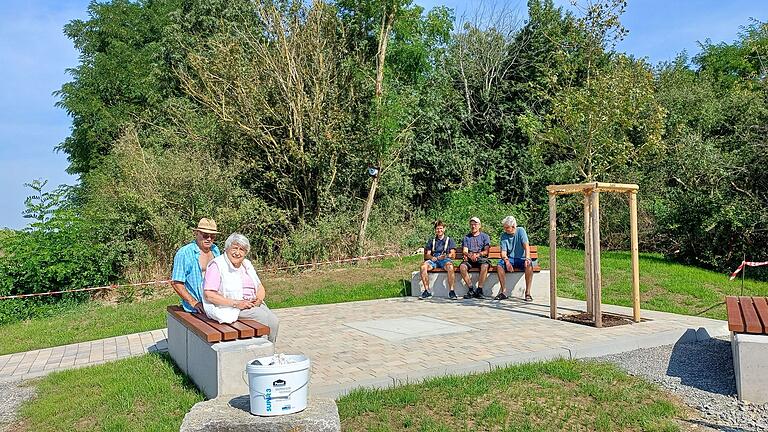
(259, 328)
(735, 320)
(202, 329)
(244, 331)
(227, 333)
(761, 305)
(751, 320)
(494, 253)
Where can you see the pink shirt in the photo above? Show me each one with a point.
(213, 281)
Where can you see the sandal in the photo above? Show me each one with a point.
(528, 298)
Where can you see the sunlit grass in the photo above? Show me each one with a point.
(552, 396)
(144, 393)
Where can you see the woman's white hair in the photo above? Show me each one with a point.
(238, 239)
(509, 220)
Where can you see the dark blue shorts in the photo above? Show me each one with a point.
(518, 263)
(439, 263)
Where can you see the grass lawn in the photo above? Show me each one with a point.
(143, 393)
(664, 286)
(553, 396)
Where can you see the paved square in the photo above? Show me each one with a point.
(400, 329)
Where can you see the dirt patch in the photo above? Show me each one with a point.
(609, 320)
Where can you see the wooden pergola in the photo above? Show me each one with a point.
(592, 280)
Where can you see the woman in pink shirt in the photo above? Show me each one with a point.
(232, 289)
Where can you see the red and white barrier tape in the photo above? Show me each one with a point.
(115, 286)
(98, 288)
(749, 264)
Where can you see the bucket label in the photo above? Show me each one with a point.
(268, 397)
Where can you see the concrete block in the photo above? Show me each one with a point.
(219, 368)
(201, 365)
(458, 369)
(232, 357)
(750, 366)
(438, 284)
(233, 415)
(215, 368)
(624, 344)
(177, 342)
(337, 390)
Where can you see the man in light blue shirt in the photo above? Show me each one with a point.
(515, 255)
(190, 263)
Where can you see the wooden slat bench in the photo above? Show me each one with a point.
(439, 284)
(214, 355)
(212, 332)
(494, 254)
(748, 323)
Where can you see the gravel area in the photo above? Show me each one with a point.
(12, 394)
(701, 374)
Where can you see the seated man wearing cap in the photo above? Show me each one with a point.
(475, 248)
(190, 263)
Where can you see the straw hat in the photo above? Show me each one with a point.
(207, 226)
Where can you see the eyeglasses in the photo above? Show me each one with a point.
(207, 235)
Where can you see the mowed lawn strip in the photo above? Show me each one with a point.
(552, 396)
(144, 393)
(94, 320)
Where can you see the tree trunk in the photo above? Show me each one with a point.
(366, 215)
(386, 26)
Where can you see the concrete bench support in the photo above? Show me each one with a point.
(438, 283)
(215, 368)
(750, 365)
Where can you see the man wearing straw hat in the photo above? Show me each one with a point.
(190, 263)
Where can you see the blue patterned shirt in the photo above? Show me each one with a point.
(476, 243)
(186, 268)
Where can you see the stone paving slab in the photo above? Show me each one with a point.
(494, 334)
(504, 333)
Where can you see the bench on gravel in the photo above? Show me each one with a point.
(438, 281)
(748, 323)
(214, 355)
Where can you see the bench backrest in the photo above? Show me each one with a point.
(495, 253)
(212, 332)
(747, 314)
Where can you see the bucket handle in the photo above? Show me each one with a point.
(278, 397)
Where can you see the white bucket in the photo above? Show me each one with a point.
(278, 389)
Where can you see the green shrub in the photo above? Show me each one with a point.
(58, 251)
(476, 200)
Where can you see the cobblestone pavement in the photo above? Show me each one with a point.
(493, 333)
(36, 363)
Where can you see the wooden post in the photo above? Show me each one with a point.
(635, 256)
(596, 278)
(552, 257)
(588, 252)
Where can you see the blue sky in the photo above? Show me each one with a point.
(36, 55)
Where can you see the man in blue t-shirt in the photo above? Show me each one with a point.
(190, 263)
(475, 247)
(515, 255)
(438, 253)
